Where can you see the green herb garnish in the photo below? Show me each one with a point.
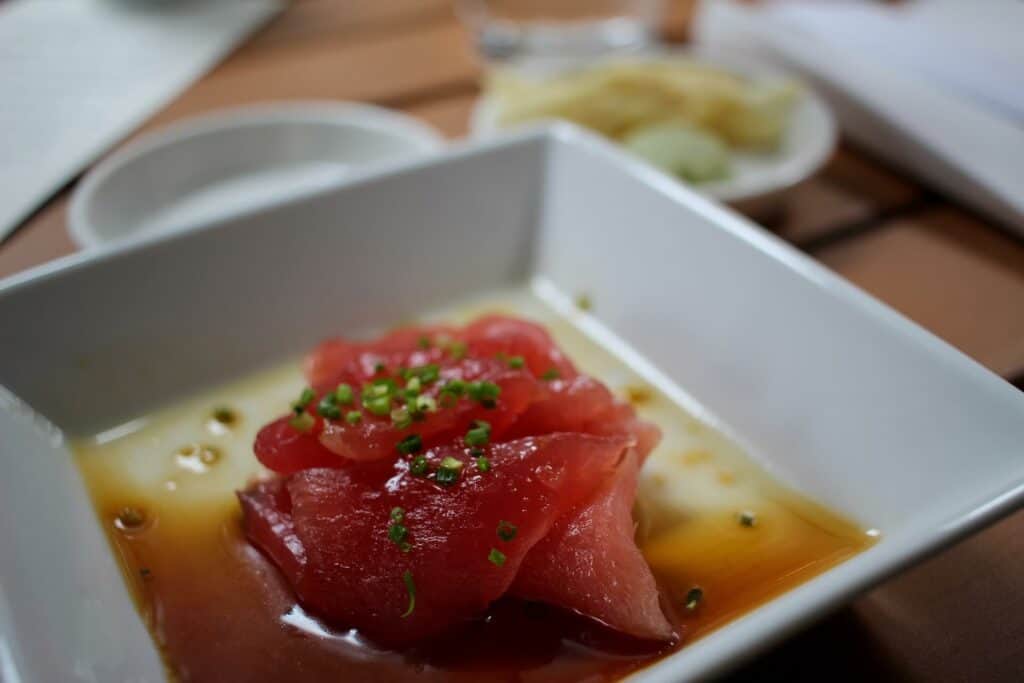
(410, 444)
(550, 374)
(424, 342)
(448, 473)
(353, 417)
(344, 395)
(303, 422)
(427, 374)
(479, 434)
(410, 588)
(398, 534)
(507, 530)
(328, 407)
(583, 302)
(457, 350)
(485, 392)
(496, 557)
(425, 404)
(419, 466)
(483, 464)
(397, 514)
(401, 418)
(378, 405)
(517, 362)
(305, 397)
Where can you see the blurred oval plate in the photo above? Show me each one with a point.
(758, 181)
(213, 166)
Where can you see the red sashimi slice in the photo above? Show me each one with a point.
(491, 335)
(354, 574)
(583, 404)
(282, 448)
(338, 360)
(267, 522)
(376, 437)
(589, 562)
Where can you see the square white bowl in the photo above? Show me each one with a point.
(835, 392)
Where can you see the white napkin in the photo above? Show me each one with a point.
(78, 75)
(934, 86)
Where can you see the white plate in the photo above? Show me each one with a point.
(837, 394)
(212, 166)
(756, 179)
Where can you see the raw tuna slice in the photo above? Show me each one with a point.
(491, 335)
(583, 404)
(339, 360)
(283, 449)
(375, 436)
(589, 563)
(267, 512)
(348, 569)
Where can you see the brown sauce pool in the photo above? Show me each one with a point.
(218, 611)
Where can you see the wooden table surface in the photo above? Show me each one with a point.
(958, 616)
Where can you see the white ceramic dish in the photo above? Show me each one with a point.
(757, 180)
(213, 166)
(834, 392)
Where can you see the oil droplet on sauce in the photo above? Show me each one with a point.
(196, 457)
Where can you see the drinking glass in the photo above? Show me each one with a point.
(559, 28)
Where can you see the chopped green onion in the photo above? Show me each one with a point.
(305, 397)
(550, 374)
(398, 534)
(425, 404)
(747, 518)
(427, 374)
(383, 386)
(328, 407)
(693, 597)
(344, 395)
(353, 417)
(451, 463)
(479, 434)
(410, 444)
(419, 466)
(302, 422)
(378, 405)
(483, 464)
(496, 557)
(517, 362)
(507, 530)
(455, 387)
(379, 367)
(410, 588)
(485, 392)
(457, 349)
(414, 385)
(448, 473)
(401, 417)
(397, 514)
(423, 342)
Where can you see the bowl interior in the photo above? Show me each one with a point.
(832, 391)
